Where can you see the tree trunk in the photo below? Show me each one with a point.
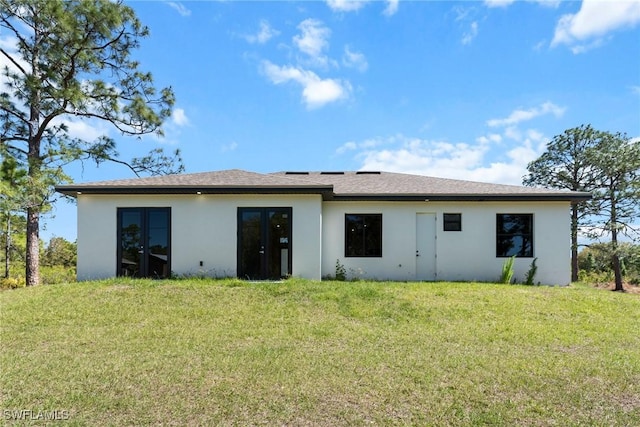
(615, 257)
(617, 272)
(7, 247)
(33, 247)
(574, 243)
(32, 268)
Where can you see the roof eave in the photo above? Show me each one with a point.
(572, 197)
(325, 190)
(73, 191)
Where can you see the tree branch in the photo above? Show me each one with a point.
(13, 61)
(13, 113)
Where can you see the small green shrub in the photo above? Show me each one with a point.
(531, 273)
(12, 283)
(507, 270)
(341, 272)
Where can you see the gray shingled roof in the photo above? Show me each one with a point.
(225, 178)
(228, 181)
(332, 185)
(388, 183)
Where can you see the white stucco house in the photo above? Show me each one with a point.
(377, 225)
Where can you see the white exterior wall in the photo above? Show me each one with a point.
(203, 228)
(467, 255)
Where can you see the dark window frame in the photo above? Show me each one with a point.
(146, 226)
(521, 235)
(265, 234)
(359, 242)
(451, 221)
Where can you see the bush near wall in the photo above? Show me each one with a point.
(12, 282)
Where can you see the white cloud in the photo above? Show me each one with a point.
(355, 5)
(582, 48)
(445, 159)
(512, 132)
(498, 3)
(595, 19)
(367, 144)
(505, 3)
(229, 147)
(471, 34)
(85, 129)
(498, 157)
(392, 7)
(466, 19)
(635, 90)
(538, 46)
(179, 118)
(264, 34)
(316, 92)
(313, 40)
(181, 8)
(355, 60)
(423, 157)
(549, 3)
(347, 146)
(494, 137)
(520, 115)
(346, 5)
(463, 13)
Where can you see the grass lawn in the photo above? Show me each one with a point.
(198, 352)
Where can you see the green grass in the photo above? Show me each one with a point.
(199, 352)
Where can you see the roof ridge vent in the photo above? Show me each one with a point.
(332, 173)
(368, 173)
(296, 173)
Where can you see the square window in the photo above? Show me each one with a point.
(363, 235)
(514, 235)
(452, 222)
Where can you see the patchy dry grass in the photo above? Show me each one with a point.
(319, 353)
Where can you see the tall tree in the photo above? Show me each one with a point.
(565, 165)
(615, 208)
(72, 59)
(11, 203)
(60, 252)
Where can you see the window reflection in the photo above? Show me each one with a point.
(143, 242)
(514, 235)
(363, 235)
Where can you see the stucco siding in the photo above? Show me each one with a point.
(203, 230)
(467, 255)
(96, 238)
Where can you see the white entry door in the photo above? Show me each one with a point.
(426, 246)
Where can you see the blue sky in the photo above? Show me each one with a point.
(468, 90)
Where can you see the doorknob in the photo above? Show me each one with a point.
(261, 250)
(417, 253)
